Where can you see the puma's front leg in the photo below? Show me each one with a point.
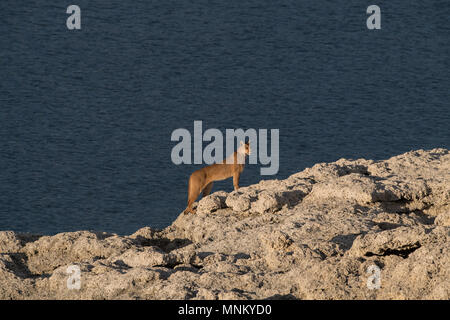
(236, 180)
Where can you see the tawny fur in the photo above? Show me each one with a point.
(202, 179)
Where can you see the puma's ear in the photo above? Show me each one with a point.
(242, 143)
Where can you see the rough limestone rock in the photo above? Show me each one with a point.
(443, 219)
(9, 242)
(49, 252)
(399, 241)
(212, 202)
(319, 234)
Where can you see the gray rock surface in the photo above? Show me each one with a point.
(318, 234)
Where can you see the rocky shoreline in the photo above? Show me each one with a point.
(318, 234)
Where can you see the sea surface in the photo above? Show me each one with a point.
(86, 116)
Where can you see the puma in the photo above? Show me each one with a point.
(202, 179)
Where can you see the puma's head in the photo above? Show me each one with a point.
(245, 148)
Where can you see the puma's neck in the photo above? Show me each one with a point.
(237, 157)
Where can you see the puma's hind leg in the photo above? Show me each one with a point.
(207, 189)
(193, 193)
(191, 199)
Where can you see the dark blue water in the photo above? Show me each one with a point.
(86, 116)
